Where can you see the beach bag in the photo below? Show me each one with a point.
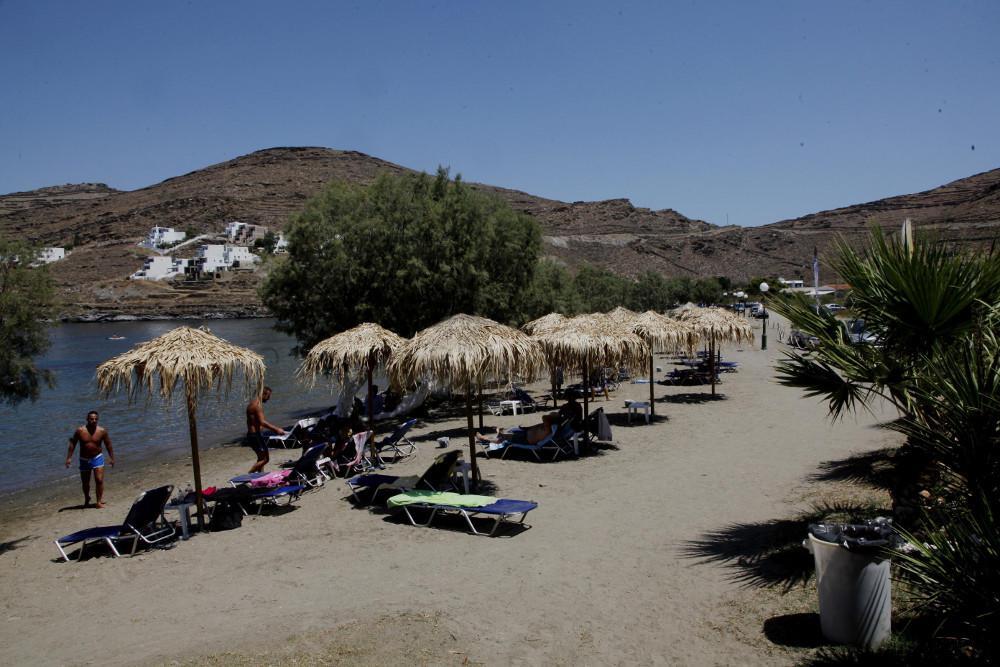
(226, 516)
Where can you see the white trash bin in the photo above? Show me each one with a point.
(855, 597)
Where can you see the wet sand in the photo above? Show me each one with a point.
(604, 575)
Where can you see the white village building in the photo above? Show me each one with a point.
(49, 255)
(795, 282)
(244, 233)
(162, 236)
(212, 258)
(159, 267)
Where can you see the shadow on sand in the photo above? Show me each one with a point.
(795, 630)
(770, 553)
(691, 398)
(11, 545)
(874, 468)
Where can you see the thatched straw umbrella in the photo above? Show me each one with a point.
(717, 325)
(588, 340)
(192, 356)
(622, 315)
(355, 352)
(462, 351)
(659, 331)
(542, 324)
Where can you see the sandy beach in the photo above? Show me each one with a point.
(604, 575)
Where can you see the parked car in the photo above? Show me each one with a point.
(834, 307)
(802, 340)
(857, 332)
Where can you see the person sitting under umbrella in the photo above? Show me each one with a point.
(530, 436)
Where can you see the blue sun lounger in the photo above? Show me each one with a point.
(144, 521)
(501, 510)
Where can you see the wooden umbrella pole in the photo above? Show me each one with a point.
(711, 363)
(586, 396)
(652, 405)
(479, 398)
(371, 415)
(472, 435)
(555, 396)
(195, 462)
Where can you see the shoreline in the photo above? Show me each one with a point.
(98, 317)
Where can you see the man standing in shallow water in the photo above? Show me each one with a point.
(90, 437)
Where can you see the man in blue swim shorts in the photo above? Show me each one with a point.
(91, 437)
(256, 437)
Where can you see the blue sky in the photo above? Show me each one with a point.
(746, 111)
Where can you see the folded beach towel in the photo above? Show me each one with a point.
(440, 498)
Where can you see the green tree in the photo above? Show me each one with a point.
(551, 291)
(601, 290)
(267, 243)
(650, 292)
(26, 301)
(404, 252)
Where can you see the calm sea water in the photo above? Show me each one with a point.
(37, 433)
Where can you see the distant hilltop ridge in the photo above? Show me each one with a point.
(266, 187)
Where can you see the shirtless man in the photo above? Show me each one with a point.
(531, 435)
(255, 430)
(90, 437)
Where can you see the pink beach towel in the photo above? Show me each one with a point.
(276, 478)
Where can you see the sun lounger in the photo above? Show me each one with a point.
(294, 436)
(398, 443)
(249, 498)
(437, 477)
(537, 448)
(144, 522)
(303, 471)
(469, 507)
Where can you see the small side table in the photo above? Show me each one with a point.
(183, 510)
(635, 406)
(464, 468)
(513, 405)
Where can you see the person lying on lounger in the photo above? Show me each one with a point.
(531, 435)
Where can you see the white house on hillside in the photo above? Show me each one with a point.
(243, 233)
(162, 236)
(155, 268)
(795, 282)
(49, 255)
(214, 258)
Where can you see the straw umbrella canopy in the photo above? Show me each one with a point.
(585, 341)
(192, 357)
(718, 325)
(462, 351)
(659, 331)
(544, 323)
(622, 315)
(352, 353)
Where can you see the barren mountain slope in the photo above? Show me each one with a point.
(268, 186)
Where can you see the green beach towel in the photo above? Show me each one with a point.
(440, 498)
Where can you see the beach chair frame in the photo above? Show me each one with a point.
(469, 513)
(146, 513)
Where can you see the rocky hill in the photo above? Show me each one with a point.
(266, 187)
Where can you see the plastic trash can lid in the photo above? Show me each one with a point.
(859, 537)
